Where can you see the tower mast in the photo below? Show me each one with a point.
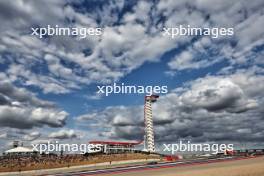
(149, 131)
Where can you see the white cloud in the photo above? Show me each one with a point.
(23, 117)
(196, 56)
(32, 136)
(246, 19)
(21, 109)
(63, 134)
(218, 94)
(121, 49)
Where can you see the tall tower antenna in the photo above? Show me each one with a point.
(149, 132)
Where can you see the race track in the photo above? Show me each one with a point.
(179, 168)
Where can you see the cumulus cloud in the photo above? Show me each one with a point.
(121, 49)
(200, 54)
(32, 136)
(19, 117)
(112, 120)
(127, 41)
(22, 109)
(218, 94)
(245, 19)
(12, 94)
(250, 82)
(63, 134)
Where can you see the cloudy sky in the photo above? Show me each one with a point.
(48, 86)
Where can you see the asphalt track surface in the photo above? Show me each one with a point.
(138, 168)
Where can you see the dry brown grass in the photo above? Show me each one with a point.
(62, 163)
